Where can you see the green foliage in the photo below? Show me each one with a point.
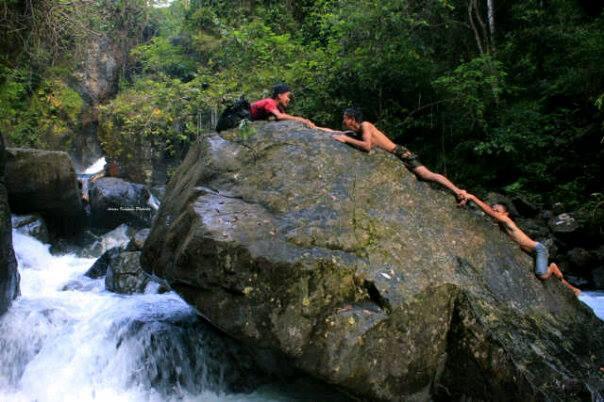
(37, 113)
(161, 111)
(160, 56)
(525, 117)
(472, 88)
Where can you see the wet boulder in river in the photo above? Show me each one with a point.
(32, 225)
(44, 182)
(115, 201)
(138, 240)
(125, 275)
(364, 276)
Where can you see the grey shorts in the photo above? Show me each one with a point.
(541, 256)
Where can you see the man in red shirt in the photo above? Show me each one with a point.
(275, 106)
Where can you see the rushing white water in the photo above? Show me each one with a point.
(68, 339)
(153, 202)
(96, 166)
(595, 300)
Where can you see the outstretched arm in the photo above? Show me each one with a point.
(499, 217)
(365, 144)
(284, 116)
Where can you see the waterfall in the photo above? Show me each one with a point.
(96, 167)
(595, 300)
(66, 338)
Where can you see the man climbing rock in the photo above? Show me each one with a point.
(368, 136)
(500, 213)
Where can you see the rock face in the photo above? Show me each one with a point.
(100, 266)
(114, 201)
(138, 240)
(44, 182)
(365, 277)
(125, 275)
(9, 276)
(32, 225)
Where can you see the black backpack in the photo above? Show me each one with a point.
(233, 114)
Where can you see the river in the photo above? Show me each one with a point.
(66, 338)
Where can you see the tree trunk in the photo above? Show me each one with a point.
(491, 18)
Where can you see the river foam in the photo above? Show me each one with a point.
(66, 338)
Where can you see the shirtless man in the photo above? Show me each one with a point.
(371, 137)
(500, 213)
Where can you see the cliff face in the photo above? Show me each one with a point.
(363, 276)
(9, 276)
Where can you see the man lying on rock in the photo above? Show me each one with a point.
(500, 213)
(368, 136)
(275, 106)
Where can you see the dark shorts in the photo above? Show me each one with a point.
(409, 159)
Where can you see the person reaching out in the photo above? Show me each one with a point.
(369, 136)
(543, 271)
(275, 106)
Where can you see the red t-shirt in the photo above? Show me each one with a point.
(264, 108)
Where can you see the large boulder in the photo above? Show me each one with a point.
(9, 276)
(365, 277)
(114, 201)
(45, 182)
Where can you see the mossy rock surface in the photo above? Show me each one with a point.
(363, 276)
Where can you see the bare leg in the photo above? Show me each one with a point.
(425, 174)
(555, 271)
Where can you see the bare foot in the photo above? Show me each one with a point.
(573, 289)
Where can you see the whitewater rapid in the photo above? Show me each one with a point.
(66, 338)
(595, 300)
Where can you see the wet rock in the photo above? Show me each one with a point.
(118, 237)
(125, 275)
(31, 225)
(44, 182)
(9, 276)
(114, 201)
(100, 266)
(138, 240)
(563, 223)
(363, 276)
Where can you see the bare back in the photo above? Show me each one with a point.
(378, 139)
(526, 243)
